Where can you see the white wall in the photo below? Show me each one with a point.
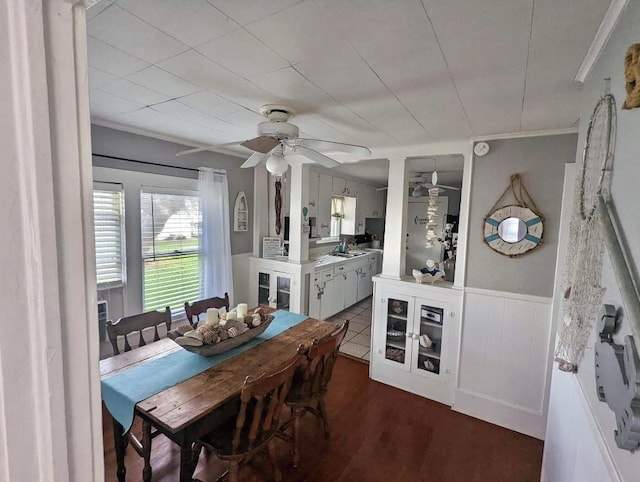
(590, 440)
(506, 340)
(503, 370)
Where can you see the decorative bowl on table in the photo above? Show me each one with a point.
(222, 345)
(427, 277)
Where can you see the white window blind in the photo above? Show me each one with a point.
(171, 232)
(108, 220)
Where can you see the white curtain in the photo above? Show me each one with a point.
(215, 248)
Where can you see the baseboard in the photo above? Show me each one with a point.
(518, 419)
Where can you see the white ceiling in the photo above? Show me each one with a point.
(380, 73)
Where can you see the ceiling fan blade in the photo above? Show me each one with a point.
(261, 144)
(315, 156)
(444, 186)
(330, 146)
(208, 148)
(255, 159)
(383, 188)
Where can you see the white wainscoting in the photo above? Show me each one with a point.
(574, 449)
(505, 349)
(241, 281)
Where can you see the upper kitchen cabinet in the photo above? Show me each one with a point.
(314, 186)
(374, 202)
(338, 185)
(323, 221)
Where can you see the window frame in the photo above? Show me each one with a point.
(119, 188)
(177, 312)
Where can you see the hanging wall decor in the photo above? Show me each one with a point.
(632, 77)
(241, 213)
(278, 205)
(514, 229)
(585, 248)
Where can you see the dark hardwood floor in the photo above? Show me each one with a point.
(379, 433)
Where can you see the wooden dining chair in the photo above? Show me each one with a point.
(310, 385)
(195, 309)
(257, 421)
(129, 326)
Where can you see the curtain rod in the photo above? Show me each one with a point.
(145, 162)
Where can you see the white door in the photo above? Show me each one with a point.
(417, 252)
(393, 330)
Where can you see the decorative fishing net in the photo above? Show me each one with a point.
(583, 265)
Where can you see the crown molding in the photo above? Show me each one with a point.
(516, 135)
(602, 35)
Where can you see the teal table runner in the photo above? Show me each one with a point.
(121, 392)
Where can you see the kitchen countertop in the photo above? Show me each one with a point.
(326, 260)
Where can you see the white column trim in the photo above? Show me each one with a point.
(50, 428)
(393, 261)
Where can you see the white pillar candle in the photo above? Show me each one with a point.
(212, 316)
(242, 310)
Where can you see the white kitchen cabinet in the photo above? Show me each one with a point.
(314, 186)
(365, 285)
(339, 285)
(321, 294)
(369, 200)
(350, 188)
(361, 207)
(274, 289)
(411, 343)
(377, 203)
(323, 221)
(350, 293)
(338, 185)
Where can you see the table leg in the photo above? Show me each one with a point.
(119, 440)
(188, 462)
(146, 450)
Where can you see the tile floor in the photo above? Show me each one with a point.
(357, 342)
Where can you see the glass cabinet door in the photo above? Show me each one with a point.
(283, 292)
(264, 287)
(397, 322)
(429, 337)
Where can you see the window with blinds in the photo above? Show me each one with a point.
(171, 232)
(108, 222)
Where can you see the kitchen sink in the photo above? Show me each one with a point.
(352, 254)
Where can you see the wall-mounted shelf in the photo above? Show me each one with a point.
(241, 213)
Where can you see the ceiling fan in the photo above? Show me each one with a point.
(278, 139)
(420, 181)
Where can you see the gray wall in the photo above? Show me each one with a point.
(132, 146)
(540, 163)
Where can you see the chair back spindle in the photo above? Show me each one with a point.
(128, 325)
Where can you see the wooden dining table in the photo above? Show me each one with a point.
(190, 409)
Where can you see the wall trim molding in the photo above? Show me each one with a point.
(161, 137)
(516, 135)
(602, 35)
(512, 417)
(508, 295)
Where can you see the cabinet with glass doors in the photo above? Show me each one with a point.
(410, 343)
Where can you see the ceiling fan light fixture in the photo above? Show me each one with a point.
(277, 165)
